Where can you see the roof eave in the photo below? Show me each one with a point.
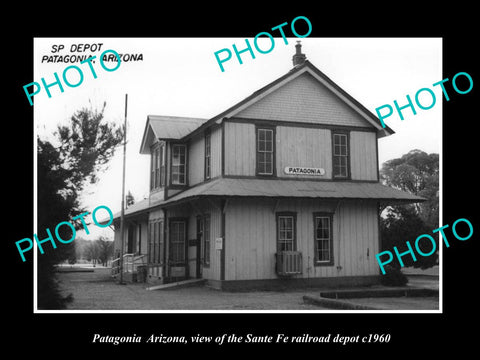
(296, 71)
(144, 149)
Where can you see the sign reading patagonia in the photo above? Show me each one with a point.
(291, 170)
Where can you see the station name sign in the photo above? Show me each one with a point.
(294, 170)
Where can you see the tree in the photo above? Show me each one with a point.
(105, 250)
(82, 149)
(92, 252)
(402, 224)
(417, 173)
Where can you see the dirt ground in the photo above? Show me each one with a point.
(98, 291)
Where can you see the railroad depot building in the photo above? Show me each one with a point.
(280, 189)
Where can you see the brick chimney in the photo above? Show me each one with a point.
(298, 58)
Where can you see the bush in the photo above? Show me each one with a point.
(393, 277)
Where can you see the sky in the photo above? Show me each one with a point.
(181, 77)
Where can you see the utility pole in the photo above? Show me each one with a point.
(122, 217)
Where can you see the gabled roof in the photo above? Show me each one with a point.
(167, 128)
(306, 67)
(182, 128)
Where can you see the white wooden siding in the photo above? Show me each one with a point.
(251, 238)
(212, 208)
(239, 149)
(196, 160)
(299, 146)
(202, 207)
(363, 152)
(216, 152)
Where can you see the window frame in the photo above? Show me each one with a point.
(162, 165)
(317, 261)
(345, 134)
(172, 261)
(258, 128)
(157, 166)
(185, 182)
(156, 242)
(208, 156)
(286, 214)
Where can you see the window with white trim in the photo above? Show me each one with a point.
(265, 151)
(340, 155)
(157, 166)
(286, 231)
(179, 161)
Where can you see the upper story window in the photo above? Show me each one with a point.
(340, 155)
(179, 161)
(265, 151)
(157, 176)
(208, 156)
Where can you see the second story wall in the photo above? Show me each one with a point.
(311, 127)
(300, 146)
(364, 155)
(196, 152)
(303, 147)
(206, 143)
(216, 151)
(239, 149)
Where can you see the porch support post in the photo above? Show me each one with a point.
(122, 217)
(222, 252)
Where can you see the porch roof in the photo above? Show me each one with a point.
(131, 210)
(275, 188)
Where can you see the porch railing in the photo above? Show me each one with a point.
(116, 267)
(130, 263)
